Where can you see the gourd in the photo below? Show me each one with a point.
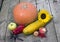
(24, 13)
(43, 18)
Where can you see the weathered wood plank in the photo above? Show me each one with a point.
(56, 7)
(1, 2)
(3, 18)
(2, 31)
(12, 3)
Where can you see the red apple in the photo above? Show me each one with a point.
(42, 32)
(18, 30)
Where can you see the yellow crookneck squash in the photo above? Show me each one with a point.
(43, 18)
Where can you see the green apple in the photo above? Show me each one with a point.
(12, 26)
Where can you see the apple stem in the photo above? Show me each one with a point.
(11, 24)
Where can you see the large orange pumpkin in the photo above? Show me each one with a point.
(24, 13)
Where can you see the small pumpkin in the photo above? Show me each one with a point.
(24, 13)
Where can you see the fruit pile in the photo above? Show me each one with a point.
(28, 20)
(19, 29)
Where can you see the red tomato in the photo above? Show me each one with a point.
(24, 13)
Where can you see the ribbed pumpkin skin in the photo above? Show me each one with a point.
(24, 13)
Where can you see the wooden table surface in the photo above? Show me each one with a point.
(53, 34)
